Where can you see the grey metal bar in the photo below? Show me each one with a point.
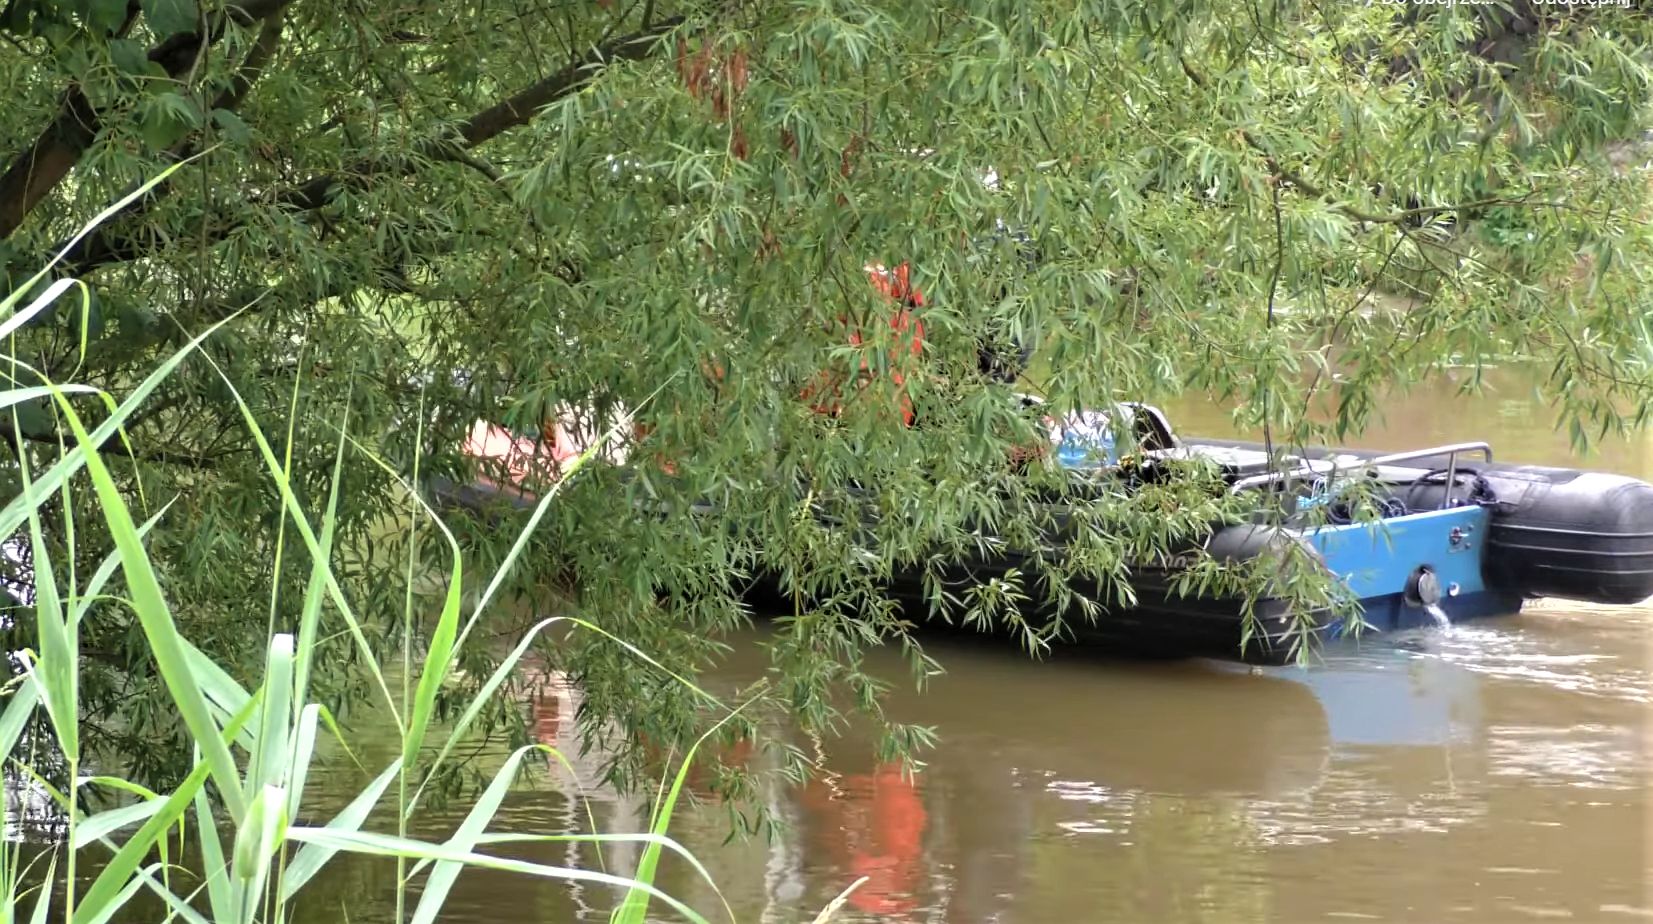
(1450, 449)
(1452, 478)
(1322, 466)
(1305, 467)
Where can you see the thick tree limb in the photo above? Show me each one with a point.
(32, 174)
(495, 120)
(461, 156)
(101, 249)
(115, 447)
(252, 67)
(35, 172)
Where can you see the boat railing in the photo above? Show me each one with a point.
(1450, 450)
(1329, 468)
(1304, 468)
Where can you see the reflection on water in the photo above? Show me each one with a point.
(1490, 772)
(870, 827)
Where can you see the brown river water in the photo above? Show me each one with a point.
(1496, 771)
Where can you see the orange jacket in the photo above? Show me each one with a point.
(897, 286)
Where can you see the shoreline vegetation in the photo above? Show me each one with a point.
(236, 813)
(265, 263)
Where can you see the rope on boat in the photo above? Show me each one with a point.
(1340, 512)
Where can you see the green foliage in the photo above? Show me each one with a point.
(252, 747)
(416, 215)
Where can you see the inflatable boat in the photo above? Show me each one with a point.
(1458, 536)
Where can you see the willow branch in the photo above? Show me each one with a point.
(33, 173)
(509, 113)
(1314, 191)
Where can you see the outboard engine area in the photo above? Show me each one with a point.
(1551, 532)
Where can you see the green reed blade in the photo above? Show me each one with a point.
(43, 901)
(121, 898)
(309, 621)
(269, 762)
(156, 618)
(16, 511)
(385, 845)
(256, 844)
(105, 896)
(19, 395)
(223, 694)
(94, 828)
(304, 749)
(96, 220)
(666, 843)
(220, 893)
(58, 671)
(295, 513)
(837, 904)
(313, 856)
(18, 709)
(634, 909)
(106, 570)
(442, 878)
(498, 677)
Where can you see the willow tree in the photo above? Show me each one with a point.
(421, 214)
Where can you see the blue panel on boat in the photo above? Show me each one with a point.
(1376, 559)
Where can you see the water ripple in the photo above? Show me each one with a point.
(1075, 791)
(1615, 670)
(1585, 755)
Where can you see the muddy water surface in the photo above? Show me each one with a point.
(1493, 772)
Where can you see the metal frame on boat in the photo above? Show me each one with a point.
(1322, 467)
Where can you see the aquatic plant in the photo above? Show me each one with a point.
(237, 809)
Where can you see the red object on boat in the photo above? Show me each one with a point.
(897, 286)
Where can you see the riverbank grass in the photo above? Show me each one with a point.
(237, 807)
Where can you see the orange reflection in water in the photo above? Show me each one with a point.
(868, 824)
(872, 825)
(545, 712)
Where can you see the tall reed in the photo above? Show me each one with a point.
(254, 746)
